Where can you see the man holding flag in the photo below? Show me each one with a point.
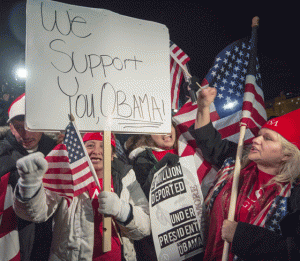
(69, 194)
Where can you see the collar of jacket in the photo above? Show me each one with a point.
(119, 171)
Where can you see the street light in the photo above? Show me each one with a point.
(21, 73)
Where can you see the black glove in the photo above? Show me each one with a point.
(170, 159)
(193, 83)
(193, 87)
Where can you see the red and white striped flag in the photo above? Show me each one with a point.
(228, 75)
(187, 146)
(176, 72)
(254, 113)
(69, 173)
(9, 236)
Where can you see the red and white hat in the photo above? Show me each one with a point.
(287, 125)
(97, 136)
(17, 108)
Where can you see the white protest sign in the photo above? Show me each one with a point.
(112, 72)
(177, 211)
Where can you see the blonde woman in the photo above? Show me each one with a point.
(267, 219)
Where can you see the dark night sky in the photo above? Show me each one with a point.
(201, 29)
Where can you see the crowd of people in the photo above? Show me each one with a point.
(266, 225)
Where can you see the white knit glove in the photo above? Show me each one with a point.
(31, 169)
(111, 204)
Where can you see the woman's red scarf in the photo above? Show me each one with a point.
(160, 154)
(218, 201)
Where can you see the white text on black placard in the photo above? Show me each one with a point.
(178, 233)
(167, 191)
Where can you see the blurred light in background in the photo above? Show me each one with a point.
(21, 73)
(230, 105)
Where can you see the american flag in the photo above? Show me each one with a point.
(69, 173)
(9, 236)
(176, 72)
(227, 167)
(254, 113)
(278, 210)
(228, 75)
(273, 212)
(269, 216)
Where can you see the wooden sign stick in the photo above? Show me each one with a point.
(106, 245)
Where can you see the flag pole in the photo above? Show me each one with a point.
(182, 67)
(236, 173)
(235, 183)
(106, 246)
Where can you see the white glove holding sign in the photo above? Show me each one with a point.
(31, 169)
(110, 204)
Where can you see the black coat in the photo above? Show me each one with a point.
(253, 242)
(142, 166)
(35, 239)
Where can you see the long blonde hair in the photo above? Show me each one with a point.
(289, 170)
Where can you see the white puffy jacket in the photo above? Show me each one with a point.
(73, 231)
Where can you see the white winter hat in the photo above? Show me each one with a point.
(17, 108)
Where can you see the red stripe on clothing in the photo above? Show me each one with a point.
(8, 222)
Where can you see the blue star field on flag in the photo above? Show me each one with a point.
(277, 211)
(228, 76)
(72, 142)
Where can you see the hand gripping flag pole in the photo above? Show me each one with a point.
(237, 168)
